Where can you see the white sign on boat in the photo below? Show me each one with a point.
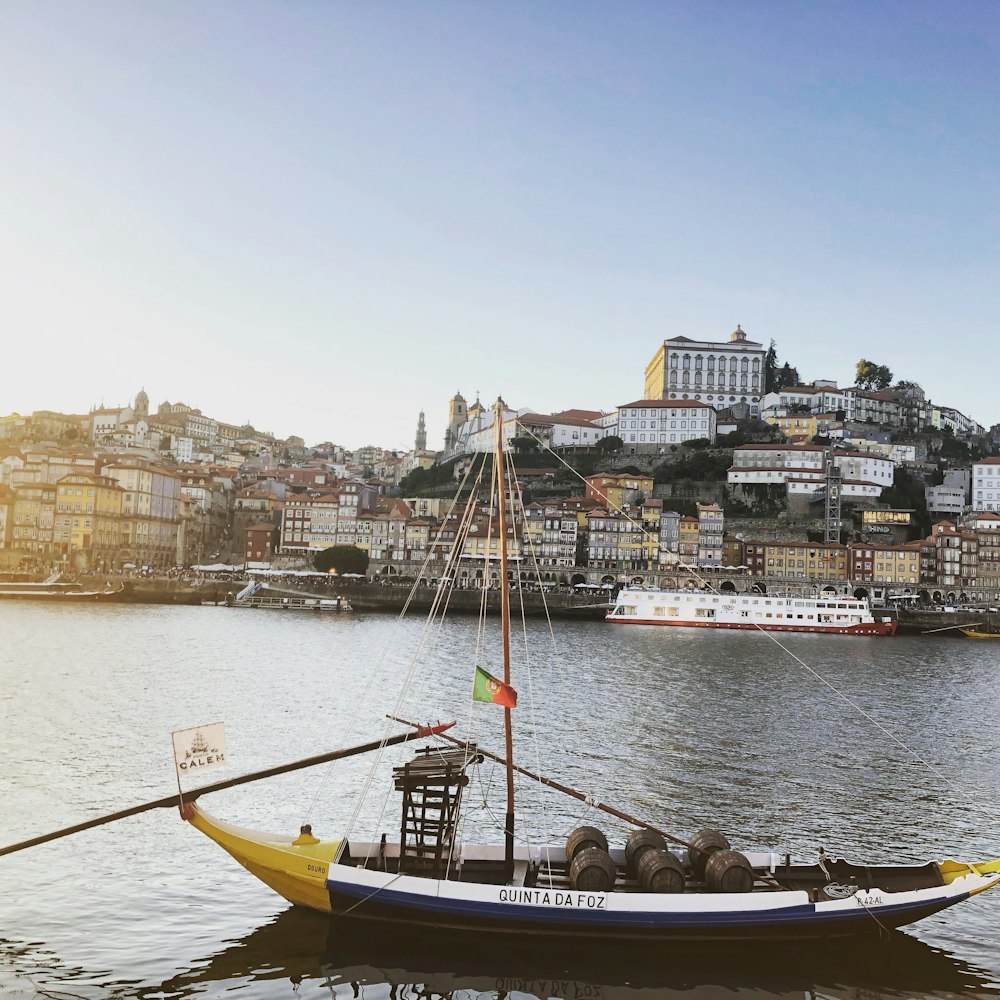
(199, 748)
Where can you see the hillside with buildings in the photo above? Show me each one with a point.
(721, 465)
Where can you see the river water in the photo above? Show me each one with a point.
(871, 748)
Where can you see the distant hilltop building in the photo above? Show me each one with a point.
(718, 373)
(464, 422)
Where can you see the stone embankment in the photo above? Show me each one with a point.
(556, 604)
(946, 624)
(370, 597)
(162, 590)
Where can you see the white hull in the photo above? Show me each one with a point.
(705, 609)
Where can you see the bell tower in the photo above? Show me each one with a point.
(421, 442)
(457, 415)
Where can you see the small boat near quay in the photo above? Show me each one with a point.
(257, 595)
(52, 589)
(976, 634)
(831, 613)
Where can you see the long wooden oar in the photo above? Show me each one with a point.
(190, 796)
(565, 789)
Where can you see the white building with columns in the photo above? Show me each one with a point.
(720, 374)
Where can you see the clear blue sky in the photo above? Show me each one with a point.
(325, 217)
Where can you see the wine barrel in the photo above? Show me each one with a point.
(583, 837)
(638, 843)
(703, 844)
(660, 871)
(592, 870)
(728, 871)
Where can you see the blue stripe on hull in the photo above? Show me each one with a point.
(793, 921)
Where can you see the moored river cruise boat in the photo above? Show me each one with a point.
(706, 609)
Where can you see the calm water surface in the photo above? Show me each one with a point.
(682, 728)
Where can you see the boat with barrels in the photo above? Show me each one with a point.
(830, 613)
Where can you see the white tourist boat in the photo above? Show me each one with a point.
(712, 609)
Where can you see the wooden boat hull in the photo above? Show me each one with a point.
(306, 872)
(641, 917)
(973, 634)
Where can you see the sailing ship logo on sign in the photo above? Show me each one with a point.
(200, 748)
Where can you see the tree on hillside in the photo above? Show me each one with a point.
(610, 443)
(786, 376)
(776, 378)
(523, 443)
(868, 375)
(770, 367)
(342, 559)
(907, 492)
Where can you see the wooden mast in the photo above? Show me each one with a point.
(505, 632)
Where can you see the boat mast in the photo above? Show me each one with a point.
(505, 633)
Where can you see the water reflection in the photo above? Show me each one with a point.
(303, 954)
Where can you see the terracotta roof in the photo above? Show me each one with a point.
(779, 447)
(778, 468)
(568, 421)
(578, 415)
(665, 403)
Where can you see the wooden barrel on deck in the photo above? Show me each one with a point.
(592, 870)
(638, 843)
(661, 871)
(582, 838)
(728, 871)
(701, 846)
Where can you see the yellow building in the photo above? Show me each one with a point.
(616, 490)
(796, 425)
(806, 560)
(88, 521)
(687, 541)
(651, 512)
(899, 565)
(34, 517)
(150, 510)
(417, 538)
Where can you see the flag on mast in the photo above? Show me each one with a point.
(487, 688)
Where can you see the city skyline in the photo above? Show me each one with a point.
(325, 219)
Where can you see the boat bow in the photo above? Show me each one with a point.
(294, 867)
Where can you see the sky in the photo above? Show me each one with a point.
(325, 217)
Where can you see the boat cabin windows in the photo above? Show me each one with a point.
(704, 612)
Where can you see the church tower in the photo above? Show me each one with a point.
(141, 404)
(421, 443)
(457, 415)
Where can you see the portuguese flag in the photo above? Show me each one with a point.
(487, 688)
